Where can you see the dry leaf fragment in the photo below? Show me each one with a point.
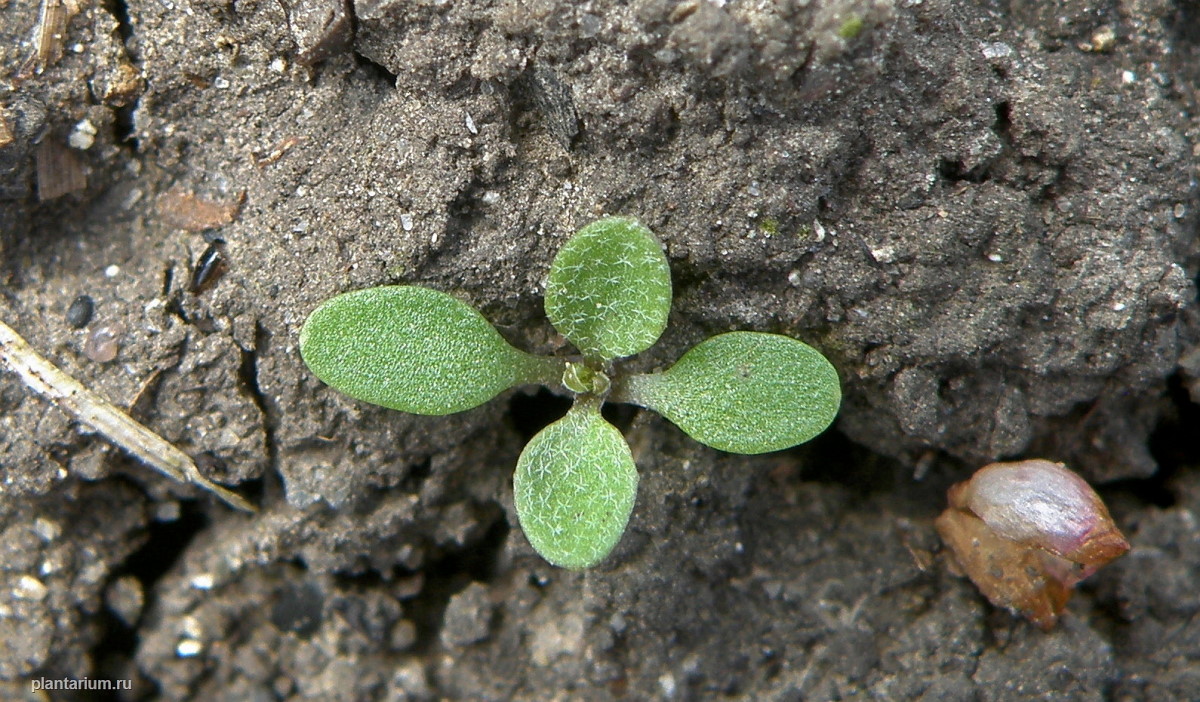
(59, 170)
(6, 130)
(186, 210)
(277, 152)
(1026, 533)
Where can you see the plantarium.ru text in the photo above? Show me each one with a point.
(609, 293)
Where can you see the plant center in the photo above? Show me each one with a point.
(582, 379)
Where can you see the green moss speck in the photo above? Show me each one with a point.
(851, 27)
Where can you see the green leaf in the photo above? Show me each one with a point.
(414, 349)
(574, 488)
(609, 289)
(743, 392)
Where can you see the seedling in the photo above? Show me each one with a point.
(609, 293)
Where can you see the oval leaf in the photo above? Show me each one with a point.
(574, 489)
(609, 289)
(414, 349)
(745, 392)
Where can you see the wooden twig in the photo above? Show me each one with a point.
(47, 380)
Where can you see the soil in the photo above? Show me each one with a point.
(985, 214)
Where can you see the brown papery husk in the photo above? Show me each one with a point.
(1009, 574)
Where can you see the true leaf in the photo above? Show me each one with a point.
(609, 289)
(414, 349)
(743, 392)
(574, 488)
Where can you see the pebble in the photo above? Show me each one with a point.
(125, 597)
(103, 343)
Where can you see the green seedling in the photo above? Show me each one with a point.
(609, 293)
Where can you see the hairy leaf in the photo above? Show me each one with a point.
(414, 349)
(609, 289)
(744, 392)
(574, 489)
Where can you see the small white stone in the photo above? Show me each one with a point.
(1128, 77)
(471, 125)
(997, 50)
(278, 65)
(29, 588)
(666, 683)
(666, 55)
(47, 529)
(220, 82)
(112, 271)
(83, 136)
(884, 254)
(406, 222)
(995, 257)
(819, 229)
(1179, 211)
(203, 581)
(1119, 307)
(188, 648)
(490, 197)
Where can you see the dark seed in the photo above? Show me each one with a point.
(209, 267)
(80, 312)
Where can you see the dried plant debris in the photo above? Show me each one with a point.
(50, 35)
(190, 212)
(1026, 533)
(264, 159)
(73, 397)
(553, 99)
(6, 130)
(59, 170)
